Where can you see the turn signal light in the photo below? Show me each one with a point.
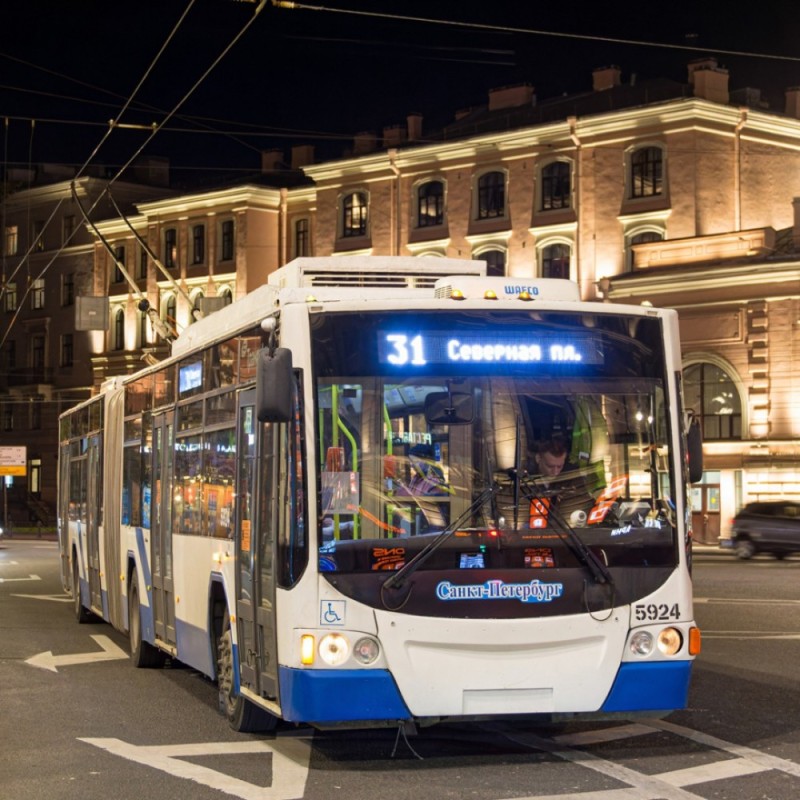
(694, 641)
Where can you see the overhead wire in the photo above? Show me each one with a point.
(155, 130)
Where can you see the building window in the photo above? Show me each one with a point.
(38, 235)
(35, 425)
(495, 262)
(10, 354)
(143, 320)
(11, 245)
(8, 417)
(68, 289)
(196, 303)
(141, 273)
(169, 311)
(119, 258)
(67, 353)
(198, 244)
(118, 341)
(491, 195)
(67, 228)
(10, 297)
(430, 204)
(354, 215)
(170, 248)
(301, 238)
(641, 238)
(227, 296)
(555, 261)
(37, 294)
(226, 249)
(647, 172)
(711, 394)
(556, 186)
(37, 351)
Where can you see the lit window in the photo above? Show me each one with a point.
(118, 342)
(647, 172)
(198, 244)
(226, 250)
(495, 262)
(491, 195)
(37, 294)
(556, 186)
(10, 297)
(12, 240)
(713, 397)
(170, 248)
(354, 215)
(430, 204)
(555, 261)
(119, 258)
(301, 238)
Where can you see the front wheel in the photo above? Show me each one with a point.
(143, 654)
(241, 714)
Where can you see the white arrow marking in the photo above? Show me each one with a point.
(29, 578)
(290, 759)
(55, 598)
(110, 652)
(7, 563)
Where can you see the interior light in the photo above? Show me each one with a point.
(307, 649)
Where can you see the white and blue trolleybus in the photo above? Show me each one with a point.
(331, 500)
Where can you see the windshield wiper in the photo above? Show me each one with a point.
(405, 572)
(599, 570)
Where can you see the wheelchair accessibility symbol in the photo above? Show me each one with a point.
(331, 612)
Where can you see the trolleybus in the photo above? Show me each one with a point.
(327, 499)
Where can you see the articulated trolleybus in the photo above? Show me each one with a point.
(331, 499)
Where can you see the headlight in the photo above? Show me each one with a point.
(641, 643)
(670, 641)
(334, 649)
(366, 651)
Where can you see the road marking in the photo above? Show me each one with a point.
(290, 759)
(750, 635)
(741, 601)
(55, 598)
(12, 580)
(47, 660)
(8, 563)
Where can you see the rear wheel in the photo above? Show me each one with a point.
(241, 714)
(143, 654)
(82, 614)
(745, 549)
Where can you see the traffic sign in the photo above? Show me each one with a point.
(13, 460)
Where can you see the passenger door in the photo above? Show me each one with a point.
(255, 544)
(161, 529)
(94, 462)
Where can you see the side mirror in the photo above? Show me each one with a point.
(694, 450)
(274, 385)
(449, 408)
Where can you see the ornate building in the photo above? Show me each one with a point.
(676, 194)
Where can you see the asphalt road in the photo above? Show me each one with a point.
(77, 721)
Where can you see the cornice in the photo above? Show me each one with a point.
(248, 195)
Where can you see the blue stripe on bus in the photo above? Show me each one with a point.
(340, 695)
(655, 686)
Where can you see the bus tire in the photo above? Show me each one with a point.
(241, 714)
(82, 614)
(143, 654)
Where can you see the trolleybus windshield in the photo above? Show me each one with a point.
(433, 412)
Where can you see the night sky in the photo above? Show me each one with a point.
(317, 76)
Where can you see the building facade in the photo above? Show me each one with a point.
(675, 194)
